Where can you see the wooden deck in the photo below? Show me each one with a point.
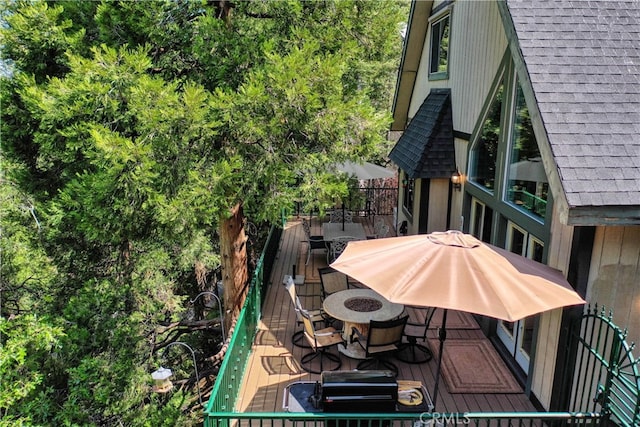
(274, 360)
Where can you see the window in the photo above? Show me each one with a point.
(527, 186)
(485, 151)
(439, 61)
(408, 190)
(481, 220)
(518, 336)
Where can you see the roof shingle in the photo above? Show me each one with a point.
(426, 149)
(583, 59)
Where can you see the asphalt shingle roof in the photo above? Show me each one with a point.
(583, 59)
(426, 149)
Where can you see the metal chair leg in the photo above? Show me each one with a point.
(306, 360)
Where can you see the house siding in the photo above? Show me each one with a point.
(437, 219)
(614, 277)
(477, 46)
(558, 256)
(608, 262)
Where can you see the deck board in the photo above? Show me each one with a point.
(273, 362)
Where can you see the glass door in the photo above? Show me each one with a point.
(481, 220)
(517, 336)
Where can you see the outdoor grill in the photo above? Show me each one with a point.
(351, 392)
(358, 391)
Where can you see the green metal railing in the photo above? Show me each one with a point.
(606, 374)
(229, 379)
(476, 419)
(528, 201)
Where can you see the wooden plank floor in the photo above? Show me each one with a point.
(274, 360)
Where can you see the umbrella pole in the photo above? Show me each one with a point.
(442, 335)
(342, 216)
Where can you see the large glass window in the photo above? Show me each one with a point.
(527, 185)
(485, 151)
(439, 46)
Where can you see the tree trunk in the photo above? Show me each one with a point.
(235, 280)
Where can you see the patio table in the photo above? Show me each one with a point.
(342, 306)
(333, 230)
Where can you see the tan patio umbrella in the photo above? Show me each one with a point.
(453, 270)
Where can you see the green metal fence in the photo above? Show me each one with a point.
(225, 389)
(279, 419)
(229, 379)
(603, 374)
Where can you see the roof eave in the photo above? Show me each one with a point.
(410, 63)
(603, 216)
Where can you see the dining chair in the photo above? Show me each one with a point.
(297, 338)
(412, 351)
(337, 246)
(332, 281)
(320, 341)
(314, 241)
(383, 339)
(340, 215)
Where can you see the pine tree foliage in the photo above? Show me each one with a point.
(129, 131)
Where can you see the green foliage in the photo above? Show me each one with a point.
(26, 342)
(129, 130)
(39, 53)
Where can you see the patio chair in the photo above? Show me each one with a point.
(340, 215)
(297, 338)
(382, 340)
(321, 341)
(411, 351)
(332, 281)
(314, 241)
(337, 246)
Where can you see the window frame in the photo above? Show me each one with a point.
(494, 199)
(435, 22)
(501, 82)
(509, 142)
(408, 194)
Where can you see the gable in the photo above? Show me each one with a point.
(583, 62)
(426, 148)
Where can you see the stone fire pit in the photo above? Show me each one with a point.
(363, 304)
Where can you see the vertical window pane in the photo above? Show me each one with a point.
(485, 151)
(527, 182)
(439, 46)
(527, 335)
(516, 245)
(477, 213)
(487, 224)
(535, 253)
(481, 221)
(408, 190)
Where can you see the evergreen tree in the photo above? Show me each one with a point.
(129, 132)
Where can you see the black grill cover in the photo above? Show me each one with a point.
(359, 391)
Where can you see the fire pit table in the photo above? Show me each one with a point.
(356, 308)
